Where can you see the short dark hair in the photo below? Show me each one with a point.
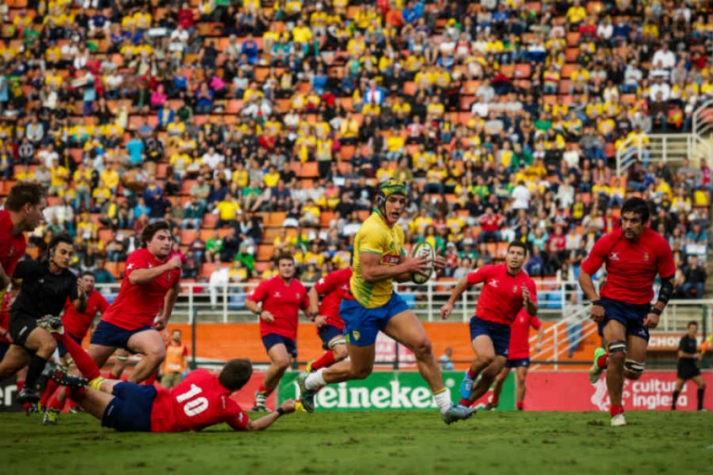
(692, 322)
(519, 244)
(637, 206)
(285, 257)
(149, 231)
(235, 374)
(58, 239)
(89, 274)
(24, 193)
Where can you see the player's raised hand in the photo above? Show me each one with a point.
(320, 321)
(446, 310)
(596, 313)
(651, 321)
(80, 288)
(420, 264)
(525, 295)
(174, 263)
(267, 316)
(288, 406)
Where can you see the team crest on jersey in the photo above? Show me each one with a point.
(514, 289)
(10, 252)
(277, 295)
(170, 277)
(646, 257)
(298, 295)
(494, 283)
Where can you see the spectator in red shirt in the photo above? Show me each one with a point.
(490, 226)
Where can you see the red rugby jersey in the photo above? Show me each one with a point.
(137, 305)
(283, 301)
(501, 298)
(520, 335)
(12, 246)
(631, 266)
(333, 287)
(199, 401)
(77, 324)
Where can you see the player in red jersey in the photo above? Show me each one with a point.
(330, 326)
(146, 298)
(23, 212)
(199, 401)
(518, 357)
(277, 302)
(76, 325)
(506, 289)
(633, 255)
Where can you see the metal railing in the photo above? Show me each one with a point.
(671, 148)
(225, 303)
(703, 119)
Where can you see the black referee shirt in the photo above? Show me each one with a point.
(688, 345)
(43, 292)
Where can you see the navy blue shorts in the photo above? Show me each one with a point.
(273, 339)
(3, 349)
(328, 333)
(518, 363)
(361, 324)
(106, 334)
(62, 350)
(130, 410)
(499, 334)
(629, 315)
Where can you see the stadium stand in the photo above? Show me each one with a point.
(257, 127)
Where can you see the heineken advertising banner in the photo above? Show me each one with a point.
(388, 390)
(8, 396)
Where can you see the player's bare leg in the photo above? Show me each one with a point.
(359, 366)
(406, 329)
(497, 389)
(615, 333)
(337, 352)
(100, 353)
(122, 358)
(279, 362)
(15, 359)
(485, 361)
(521, 377)
(152, 347)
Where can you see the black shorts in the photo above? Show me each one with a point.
(21, 325)
(687, 369)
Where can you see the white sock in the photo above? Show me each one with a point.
(443, 400)
(315, 380)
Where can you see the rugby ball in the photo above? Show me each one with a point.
(419, 250)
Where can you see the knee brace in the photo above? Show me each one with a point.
(337, 341)
(617, 346)
(634, 366)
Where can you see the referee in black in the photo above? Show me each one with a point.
(35, 314)
(688, 357)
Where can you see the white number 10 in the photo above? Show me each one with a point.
(196, 406)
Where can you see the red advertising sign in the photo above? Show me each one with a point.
(572, 391)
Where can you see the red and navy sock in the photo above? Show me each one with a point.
(85, 363)
(520, 406)
(55, 403)
(616, 409)
(264, 390)
(324, 361)
(471, 373)
(464, 402)
(494, 400)
(602, 361)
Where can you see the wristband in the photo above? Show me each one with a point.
(656, 311)
(280, 411)
(597, 303)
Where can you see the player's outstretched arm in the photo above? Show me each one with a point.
(665, 293)
(287, 407)
(460, 287)
(587, 284)
(144, 276)
(313, 300)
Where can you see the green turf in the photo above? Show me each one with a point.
(373, 443)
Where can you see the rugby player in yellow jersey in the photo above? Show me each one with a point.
(371, 305)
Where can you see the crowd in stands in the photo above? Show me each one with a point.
(257, 126)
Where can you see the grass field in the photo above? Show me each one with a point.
(374, 443)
